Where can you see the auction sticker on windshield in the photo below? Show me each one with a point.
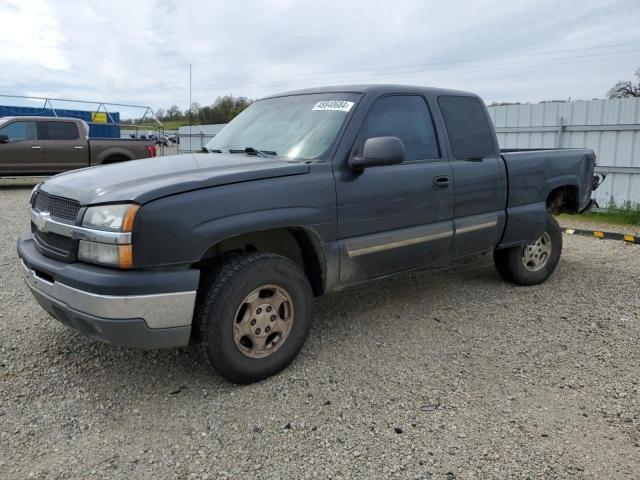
(340, 105)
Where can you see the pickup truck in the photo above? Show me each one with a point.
(36, 146)
(302, 194)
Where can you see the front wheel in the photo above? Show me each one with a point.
(533, 263)
(254, 316)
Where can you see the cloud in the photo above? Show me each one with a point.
(30, 36)
(134, 52)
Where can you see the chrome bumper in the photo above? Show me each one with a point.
(159, 311)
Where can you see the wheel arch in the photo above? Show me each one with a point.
(109, 153)
(115, 158)
(563, 199)
(297, 243)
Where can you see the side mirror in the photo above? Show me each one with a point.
(379, 151)
(4, 139)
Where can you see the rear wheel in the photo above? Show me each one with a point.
(254, 316)
(533, 263)
(115, 159)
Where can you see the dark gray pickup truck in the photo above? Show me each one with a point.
(302, 194)
(36, 146)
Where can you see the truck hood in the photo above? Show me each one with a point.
(145, 180)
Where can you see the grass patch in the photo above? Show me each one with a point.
(614, 217)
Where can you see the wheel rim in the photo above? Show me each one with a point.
(536, 255)
(263, 321)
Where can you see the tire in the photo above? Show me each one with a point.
(226, 330)
(531, 264)
(114, 159)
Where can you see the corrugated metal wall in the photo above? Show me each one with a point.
(193, 138)
(611, 128)
(111, 129)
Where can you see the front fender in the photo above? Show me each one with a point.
(180, 229)
(216, 230)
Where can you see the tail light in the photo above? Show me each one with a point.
(152, 150)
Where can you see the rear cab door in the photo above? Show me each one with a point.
(65, 145)
(394, 217)
(479, 175)
(24, 153)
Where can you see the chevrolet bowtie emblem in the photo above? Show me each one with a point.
(41, 220)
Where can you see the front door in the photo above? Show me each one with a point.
(395, 217)
(24, 153)
(65, 147)
(479, 175)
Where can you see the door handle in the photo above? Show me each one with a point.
(441, 182)
(78, 147)
(37, 147)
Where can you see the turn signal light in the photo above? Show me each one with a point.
(125, 256)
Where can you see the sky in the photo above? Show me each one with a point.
(139, 52)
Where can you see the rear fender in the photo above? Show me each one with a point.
(111, 152)
(525, 223)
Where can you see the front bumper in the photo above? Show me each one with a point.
(124, 308)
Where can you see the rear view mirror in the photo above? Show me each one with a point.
(4, 139)
(379, 151)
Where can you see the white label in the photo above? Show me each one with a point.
(339, 105)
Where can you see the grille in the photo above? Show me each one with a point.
(60, 208)
(63, 246)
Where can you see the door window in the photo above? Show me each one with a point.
(18, 131)
(469, 130)
(61, 131)
(406, 117)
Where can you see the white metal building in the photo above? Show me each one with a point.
(193, 138)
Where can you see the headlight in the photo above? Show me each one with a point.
(116, 218)
(112, 218)
(33, 192)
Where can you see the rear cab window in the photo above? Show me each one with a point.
(408, 118)
(468, 127)
(60, 130)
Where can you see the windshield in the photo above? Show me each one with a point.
(298, 127)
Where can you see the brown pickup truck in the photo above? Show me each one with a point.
(48, 145)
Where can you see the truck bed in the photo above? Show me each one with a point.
(103, 149)
(532, 173)
(533, 177)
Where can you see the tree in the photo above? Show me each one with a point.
(500, 104)
(224, 109)
(195, 108)
(174, 113)
(625, 89)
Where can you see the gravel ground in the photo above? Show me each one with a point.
(444, 374)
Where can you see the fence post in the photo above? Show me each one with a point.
(559, 132)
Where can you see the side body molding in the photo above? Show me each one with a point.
(380, 242)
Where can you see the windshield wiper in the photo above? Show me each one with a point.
(206, 150)
(256, 152)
